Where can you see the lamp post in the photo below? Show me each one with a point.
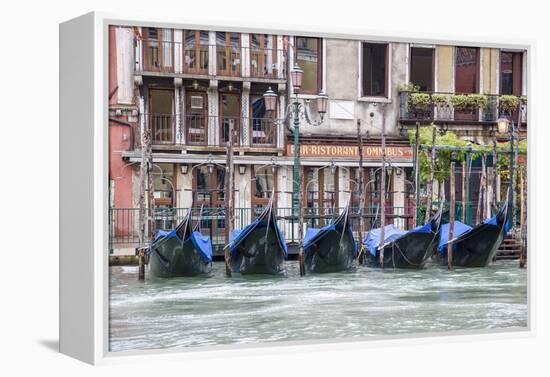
(298, 111)
(505, 125)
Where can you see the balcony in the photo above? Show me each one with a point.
(168, 57)
(460, 108)
(211, 131)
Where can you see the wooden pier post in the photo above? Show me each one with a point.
(464, 191)
(230, 203)
(451, 216)
(417, 175)
(431, 181)
(301, 256)
(523, 219)
(360, 187)
(141, 264)
(495, 172)
(383, 195)
(146, 200)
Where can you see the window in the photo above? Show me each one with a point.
(263, 183)
(164, 185)
(263, 55)
(161, 115)
(158, 49)
(308, 57)
(467, 70)
(230, 111)
(263, 127)
(195, 54)
(421, 69)
(375, 70)
(510, 72)
(321, 194)
(196, 118)
(228, 53)
(209, 192)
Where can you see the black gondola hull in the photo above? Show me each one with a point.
(171, 258)
(477, 249)
(332, 253)
(410, 251)
(260, 253)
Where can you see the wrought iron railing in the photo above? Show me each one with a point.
(124, 222)
(440, 106)
(207, 130)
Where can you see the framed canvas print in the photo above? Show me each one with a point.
(241, 187)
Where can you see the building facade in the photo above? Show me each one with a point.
(190, 87)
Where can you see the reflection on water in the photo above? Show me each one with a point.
(214, 310)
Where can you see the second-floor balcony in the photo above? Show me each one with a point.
(461, 108)
(211, 131)
(154, 56)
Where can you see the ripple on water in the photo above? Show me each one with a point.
(181, 312)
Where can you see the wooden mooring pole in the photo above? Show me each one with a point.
(301, 256)
(452, 200)
(360, 187)
(145, 213)
(431, 181)
(417, 175)
(230, 204)
(383, 195)
(523, 219)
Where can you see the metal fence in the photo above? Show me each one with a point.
(439, 106)
(124, 222)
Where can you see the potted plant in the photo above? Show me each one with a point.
(460, 101)
(508, 103)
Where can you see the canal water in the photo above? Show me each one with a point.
(183, 312)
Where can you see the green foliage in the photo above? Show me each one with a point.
(509, 102)
(443, 157)
(478, 100)
(469, 101)
(441, 99)
(408, 87)
(523, 100)
(420, 100)
(460, 101)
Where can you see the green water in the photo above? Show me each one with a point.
(183, 312)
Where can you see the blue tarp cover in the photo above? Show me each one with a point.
(391, 233)
(202, 243)
(459, 229)
(238, 235)
(313, 233)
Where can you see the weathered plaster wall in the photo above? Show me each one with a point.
(490, 70)
(445, 68)
(342, 84)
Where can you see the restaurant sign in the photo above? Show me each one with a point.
(372, 152)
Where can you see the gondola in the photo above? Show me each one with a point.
(260, 247)
(402, 248)
(331, 248)
(182, 251)
(474, 246)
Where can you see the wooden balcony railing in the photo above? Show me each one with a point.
(237, 61)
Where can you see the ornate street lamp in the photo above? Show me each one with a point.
(296, 74)
(502, 124)
(270, 100)
(322, 103)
